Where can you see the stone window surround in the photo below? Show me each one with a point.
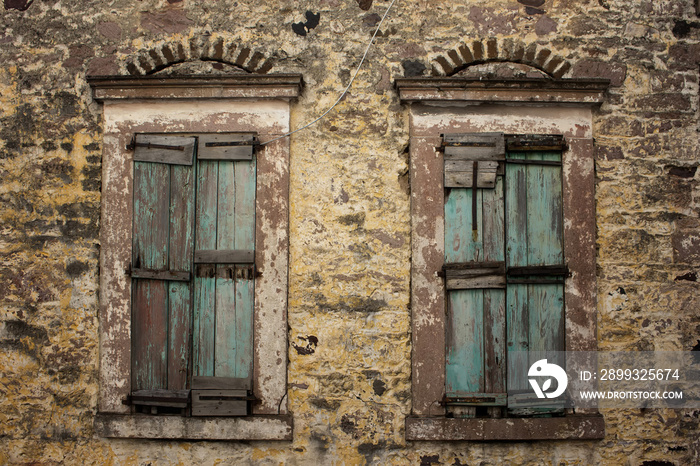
(525, 106)
(202, 104)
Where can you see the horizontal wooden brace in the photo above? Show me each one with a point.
(225, 271)
(172, 275)
(224, 256)
(534, 162)
(159, 397)
(173, 150)
(558, 269)
(474, 275)
(476, 399)
(474, 146)
(535, 142)
(226, 146)
(534, 281)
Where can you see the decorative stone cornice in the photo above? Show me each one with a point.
(524, 91)
(276, 86)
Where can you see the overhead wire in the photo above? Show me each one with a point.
(347, 88)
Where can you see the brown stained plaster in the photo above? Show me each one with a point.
(428, 302)
(272, 243)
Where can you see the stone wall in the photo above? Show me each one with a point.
(349, 371)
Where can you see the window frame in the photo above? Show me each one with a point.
(208, 104)
(526, 106)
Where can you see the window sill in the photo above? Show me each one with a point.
(588, 427)
(193, 428)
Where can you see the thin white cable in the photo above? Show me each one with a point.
(346, 89)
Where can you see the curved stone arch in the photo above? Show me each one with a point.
(164, 54)
(506, 50)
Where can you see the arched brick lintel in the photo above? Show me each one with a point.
(492, 50)
(205, 48)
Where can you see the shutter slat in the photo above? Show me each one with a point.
(174, 150)
(459, 173)
(205, 284)
(170, 275)
(475, 275)
(474, 146)
(535, 142)
(226, 146)
(150, 297)
(224, 256)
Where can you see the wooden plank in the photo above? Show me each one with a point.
(518, 336)
(459, 173)
(480, 282)
(244, 236)
(221, 383)
(474, 146)
(478, 399)
(546, 307)
(549, 270)
(205, 285)
(516, 215)
(544, 220)
(182, 196)
(160, 397)
(226, 146)
(225, 343)
(464, 359)
(176, 150)
(495, 300)
(535, 142)
(494, 344)
(219, 403)
(230, 256)
(170, 275)
(150, 299)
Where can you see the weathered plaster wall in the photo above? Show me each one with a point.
(349, 304)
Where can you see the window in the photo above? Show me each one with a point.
(193, 273)
(468, 252)
(504, 264)
(194, 257)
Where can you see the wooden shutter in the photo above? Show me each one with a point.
(224, 259)
(475, 271)
(161, 264)
(504, 266)
(534, 255)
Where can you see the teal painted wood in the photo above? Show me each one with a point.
(476, 330)
(534, 236)
(494, 300)
(545, 247)
(182, 195)
(205, 283)
(464, 365)
(245, 178)
(150, 297)
(226, 345)
(224, 301)
(544, 219)
(457, 215)
(518, 336)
